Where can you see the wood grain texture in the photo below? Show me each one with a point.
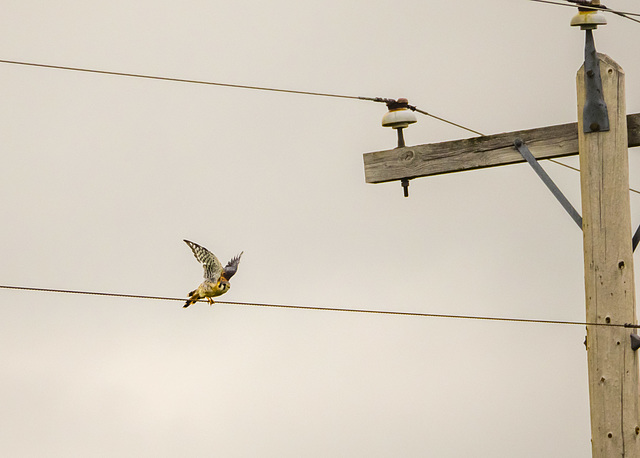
(609, 279)
(478, 152)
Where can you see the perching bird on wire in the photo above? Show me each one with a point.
(216, 278)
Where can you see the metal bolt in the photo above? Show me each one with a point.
(405, 185)
(407, 155)
(400, 138)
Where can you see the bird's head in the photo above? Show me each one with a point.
(224, 286)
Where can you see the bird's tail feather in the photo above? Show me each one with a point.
(192, 299)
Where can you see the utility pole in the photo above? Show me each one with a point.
(601, 137)
(608, 267)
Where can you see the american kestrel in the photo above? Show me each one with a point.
(216, 279)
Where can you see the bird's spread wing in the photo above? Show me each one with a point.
(212, 267)
(232, 267)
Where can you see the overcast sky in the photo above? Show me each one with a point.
(103, 176)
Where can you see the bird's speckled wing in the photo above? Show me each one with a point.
(232, 267)
(212, 267)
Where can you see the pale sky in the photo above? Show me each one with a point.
(103, 176)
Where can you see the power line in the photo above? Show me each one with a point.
(181, 80)
(326, 309)
(625, 15)
(213, 83)
(573, 168)
(444, 120)
(577, 170)
(584, 5)
(259, 88)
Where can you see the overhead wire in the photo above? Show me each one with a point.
(281, 90)
(325, 309)
(213, 83)
(179, 80)
(584, 5)
(445, 120)
(231, 85)
(271, 89)
(301, 307)
(579, 3)
(259, 88)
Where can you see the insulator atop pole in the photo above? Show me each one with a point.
(399, 115)
(588, 18)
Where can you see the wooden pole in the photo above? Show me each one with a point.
(609, 280)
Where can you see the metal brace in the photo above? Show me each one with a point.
(595, 117)
(526, 154)
(636, 239)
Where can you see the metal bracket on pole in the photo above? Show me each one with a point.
(526, 154)
(595, 115)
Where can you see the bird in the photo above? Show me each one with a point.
(216, 278)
